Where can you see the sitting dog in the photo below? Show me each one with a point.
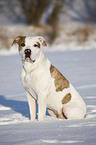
(45, 84)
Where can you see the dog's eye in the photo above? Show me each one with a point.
(22, 44)
(35, 45)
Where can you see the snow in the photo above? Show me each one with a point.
(15, 127)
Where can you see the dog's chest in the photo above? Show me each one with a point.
(25, 79)
(37, 79)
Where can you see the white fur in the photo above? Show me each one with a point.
(37, 81)
(32, 106)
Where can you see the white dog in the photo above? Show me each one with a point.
(43, 82)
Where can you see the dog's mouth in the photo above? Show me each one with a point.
(27, 56)
(28, 59)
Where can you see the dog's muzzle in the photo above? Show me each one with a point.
(27, 53)
(28, 56)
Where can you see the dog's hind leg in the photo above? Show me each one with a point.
(74, 112)
(32, 106)
(54, 113)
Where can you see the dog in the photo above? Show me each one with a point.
(44, 83)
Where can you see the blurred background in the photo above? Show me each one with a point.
(65, 24)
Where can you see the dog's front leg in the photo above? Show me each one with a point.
(41, 107)
(32, 106)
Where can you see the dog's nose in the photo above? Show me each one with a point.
(27, 52)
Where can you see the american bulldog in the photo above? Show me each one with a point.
(44, 83)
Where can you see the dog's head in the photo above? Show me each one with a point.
(29, 47)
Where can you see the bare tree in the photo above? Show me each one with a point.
(34, 9)
(55, 12)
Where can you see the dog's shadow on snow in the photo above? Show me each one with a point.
(18, 106)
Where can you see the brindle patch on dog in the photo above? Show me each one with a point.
(66, 99)
(20, 40)
(60, 81)
(43, 43)
(38, 44)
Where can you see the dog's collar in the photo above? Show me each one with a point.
(35, 97)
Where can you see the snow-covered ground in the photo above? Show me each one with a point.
(15, 127)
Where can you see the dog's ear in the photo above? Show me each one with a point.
(19, 40)
(42, 41)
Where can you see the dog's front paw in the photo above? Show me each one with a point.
(32, 119)
(40, 118)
